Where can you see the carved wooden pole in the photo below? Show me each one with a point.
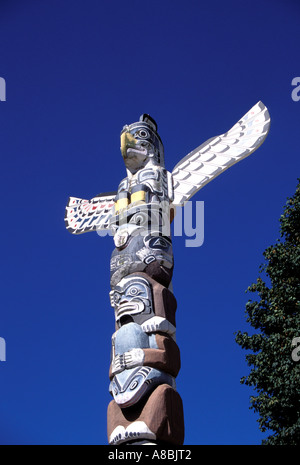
(145, 359)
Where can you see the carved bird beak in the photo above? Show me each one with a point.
(127, 141)
(133, 151)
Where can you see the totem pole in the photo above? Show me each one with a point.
(145, 359)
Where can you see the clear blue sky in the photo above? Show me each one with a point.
(76, 72)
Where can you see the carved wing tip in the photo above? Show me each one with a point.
(267, 117)
(263, 109)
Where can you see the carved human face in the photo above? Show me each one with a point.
(130, 298)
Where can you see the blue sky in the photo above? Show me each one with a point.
(76, 72)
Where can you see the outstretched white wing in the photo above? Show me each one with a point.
(89, 215)
(217, 154)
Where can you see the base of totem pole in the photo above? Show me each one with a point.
(158, 419)
(141, 443)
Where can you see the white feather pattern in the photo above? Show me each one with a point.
(89, 215)
(217, 154)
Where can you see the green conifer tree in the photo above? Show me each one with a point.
(275, 345)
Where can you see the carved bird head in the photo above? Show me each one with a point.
(141, 144)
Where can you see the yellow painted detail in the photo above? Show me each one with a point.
(120, 204)
(139, 196)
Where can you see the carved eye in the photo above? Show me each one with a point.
(143, 134)
(133, 385)
(133, 291)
